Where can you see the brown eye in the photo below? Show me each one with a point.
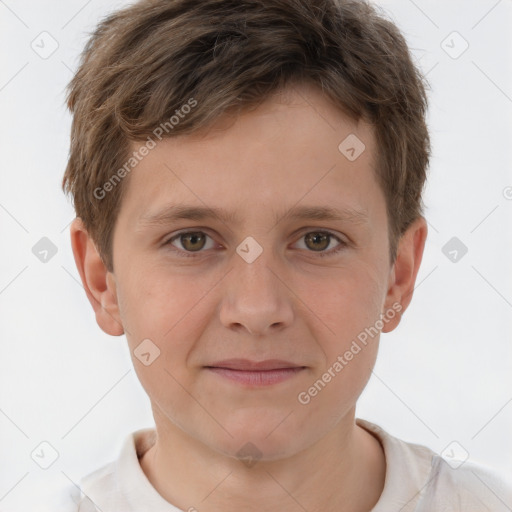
(190, 243)
(320, 242)
(193, 241)
(317, 241)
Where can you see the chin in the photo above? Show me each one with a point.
(264, 437)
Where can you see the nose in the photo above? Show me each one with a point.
(256, 297)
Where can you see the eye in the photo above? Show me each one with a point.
(319, 241)
(191, 242)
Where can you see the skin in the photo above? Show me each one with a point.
(290, 303)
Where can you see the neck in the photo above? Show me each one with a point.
(343, 471)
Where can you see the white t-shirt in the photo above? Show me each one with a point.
(417, 480)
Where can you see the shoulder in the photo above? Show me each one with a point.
(420, 480)
(117, 485)
(97, 486)
(50, 493)
(70, 497)
(467, 487)
(88, 494)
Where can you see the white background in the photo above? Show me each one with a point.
(443, 375)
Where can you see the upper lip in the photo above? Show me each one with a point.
(248, 365)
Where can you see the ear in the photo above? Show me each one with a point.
(99, 284)
(404, 271)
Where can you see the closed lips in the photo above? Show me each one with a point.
(254, 366)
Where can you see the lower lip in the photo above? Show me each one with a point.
(257, 378)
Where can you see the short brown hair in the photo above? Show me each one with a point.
(142, 63)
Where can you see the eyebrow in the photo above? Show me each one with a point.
(176, 212)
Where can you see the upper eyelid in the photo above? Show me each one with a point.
(185, 231)
(302, 232)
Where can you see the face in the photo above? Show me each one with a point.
(257, 273)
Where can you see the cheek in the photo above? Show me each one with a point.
(349, 307)
(156, 301)
(335, 392)
(170, 310)
(346, 303)
(350, 347)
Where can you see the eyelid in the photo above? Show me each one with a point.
(316, 229)
(301, 233)
(167, 241)
(342, 243)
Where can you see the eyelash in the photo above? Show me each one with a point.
(189, 254)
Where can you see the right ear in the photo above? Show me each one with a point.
(99, 284)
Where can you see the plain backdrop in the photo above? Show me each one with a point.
(443, 375)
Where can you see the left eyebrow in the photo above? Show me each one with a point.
(176, 212)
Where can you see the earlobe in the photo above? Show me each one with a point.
(404, 271)
(98, 282)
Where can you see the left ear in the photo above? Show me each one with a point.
(405, 269)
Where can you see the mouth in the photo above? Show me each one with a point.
(255, 373)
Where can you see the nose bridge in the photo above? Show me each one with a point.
(255, 296)
(257, 275)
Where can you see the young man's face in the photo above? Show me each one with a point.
(210, 299)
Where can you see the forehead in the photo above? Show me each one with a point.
(295, 147)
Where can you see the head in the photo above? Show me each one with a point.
(261, 114)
